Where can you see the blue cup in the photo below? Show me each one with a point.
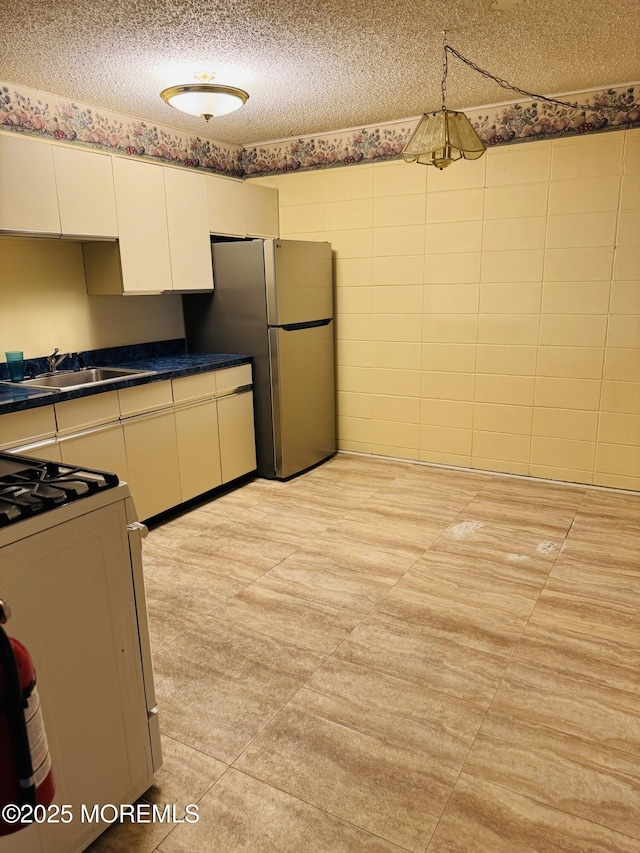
(15, 364)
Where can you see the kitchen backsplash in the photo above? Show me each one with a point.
(44, 304)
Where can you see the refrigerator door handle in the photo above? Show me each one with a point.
(310, 324)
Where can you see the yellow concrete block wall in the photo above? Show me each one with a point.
(487, 315)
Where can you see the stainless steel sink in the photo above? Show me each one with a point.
(81, 378)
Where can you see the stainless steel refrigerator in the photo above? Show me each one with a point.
(273, 299)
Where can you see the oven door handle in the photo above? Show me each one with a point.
(142, 529)
(136, 532)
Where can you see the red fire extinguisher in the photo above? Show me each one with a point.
(26, 775)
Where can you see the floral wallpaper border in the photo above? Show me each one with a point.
(44, 115)
(614, 108)
(49, 116)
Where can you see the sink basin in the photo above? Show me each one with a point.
(81, 378)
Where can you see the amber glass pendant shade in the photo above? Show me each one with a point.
(442, 137)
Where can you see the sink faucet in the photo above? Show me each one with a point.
(53, 362)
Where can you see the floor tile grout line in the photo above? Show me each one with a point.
(516, 645)
(341, 643)
(162, 649)
(323, 663)
(554, 807)
(318, 808)
(495, 692)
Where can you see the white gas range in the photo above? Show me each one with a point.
(71, 570)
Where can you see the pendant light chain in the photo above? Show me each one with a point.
(505, 84)
(445, 69)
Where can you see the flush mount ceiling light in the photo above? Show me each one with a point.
(504, 5)
(204, 98)
(445, 136)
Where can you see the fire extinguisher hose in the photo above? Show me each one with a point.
(16, 721)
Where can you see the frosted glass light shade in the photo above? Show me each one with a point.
(442, 137)
(205, 99)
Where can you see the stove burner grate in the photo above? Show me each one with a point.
(40, 485)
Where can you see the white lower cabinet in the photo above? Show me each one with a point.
(49, 450)
(198, 449)
(102, 449)
(170, 440)
(27, 427)
(153, 462)
(90, 433)
(237, 435)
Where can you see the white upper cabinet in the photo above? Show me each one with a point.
(261, 209)
(86, 197)
(188, 226)
(142, 225)
(28, 198)
(226, 206)
(163, 242)
(160, 216)
(140, 261)
(242, 209)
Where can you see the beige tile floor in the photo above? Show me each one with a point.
(387, 656)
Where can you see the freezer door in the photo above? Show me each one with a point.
(303, 397)
(299, 281)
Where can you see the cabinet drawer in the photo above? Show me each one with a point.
(232, 378)
(48, 449)
(27, 426)
(145, 398)
(85, 412)
(196, 387)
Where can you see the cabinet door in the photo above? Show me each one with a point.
(237, 435)
(152, 462)
(226, 206)
(142, 225)
(102, 449)
(188, 224)
(86, 196)
(261, 208)
(198, 450)
(28, 199)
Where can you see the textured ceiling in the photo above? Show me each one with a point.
(311, 67)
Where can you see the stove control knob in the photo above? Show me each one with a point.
(5, 612)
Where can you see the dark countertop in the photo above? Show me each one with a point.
(15, 397)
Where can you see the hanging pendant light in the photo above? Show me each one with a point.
(204, 98)
(443, 136)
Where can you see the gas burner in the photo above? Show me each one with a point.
(29, 486)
